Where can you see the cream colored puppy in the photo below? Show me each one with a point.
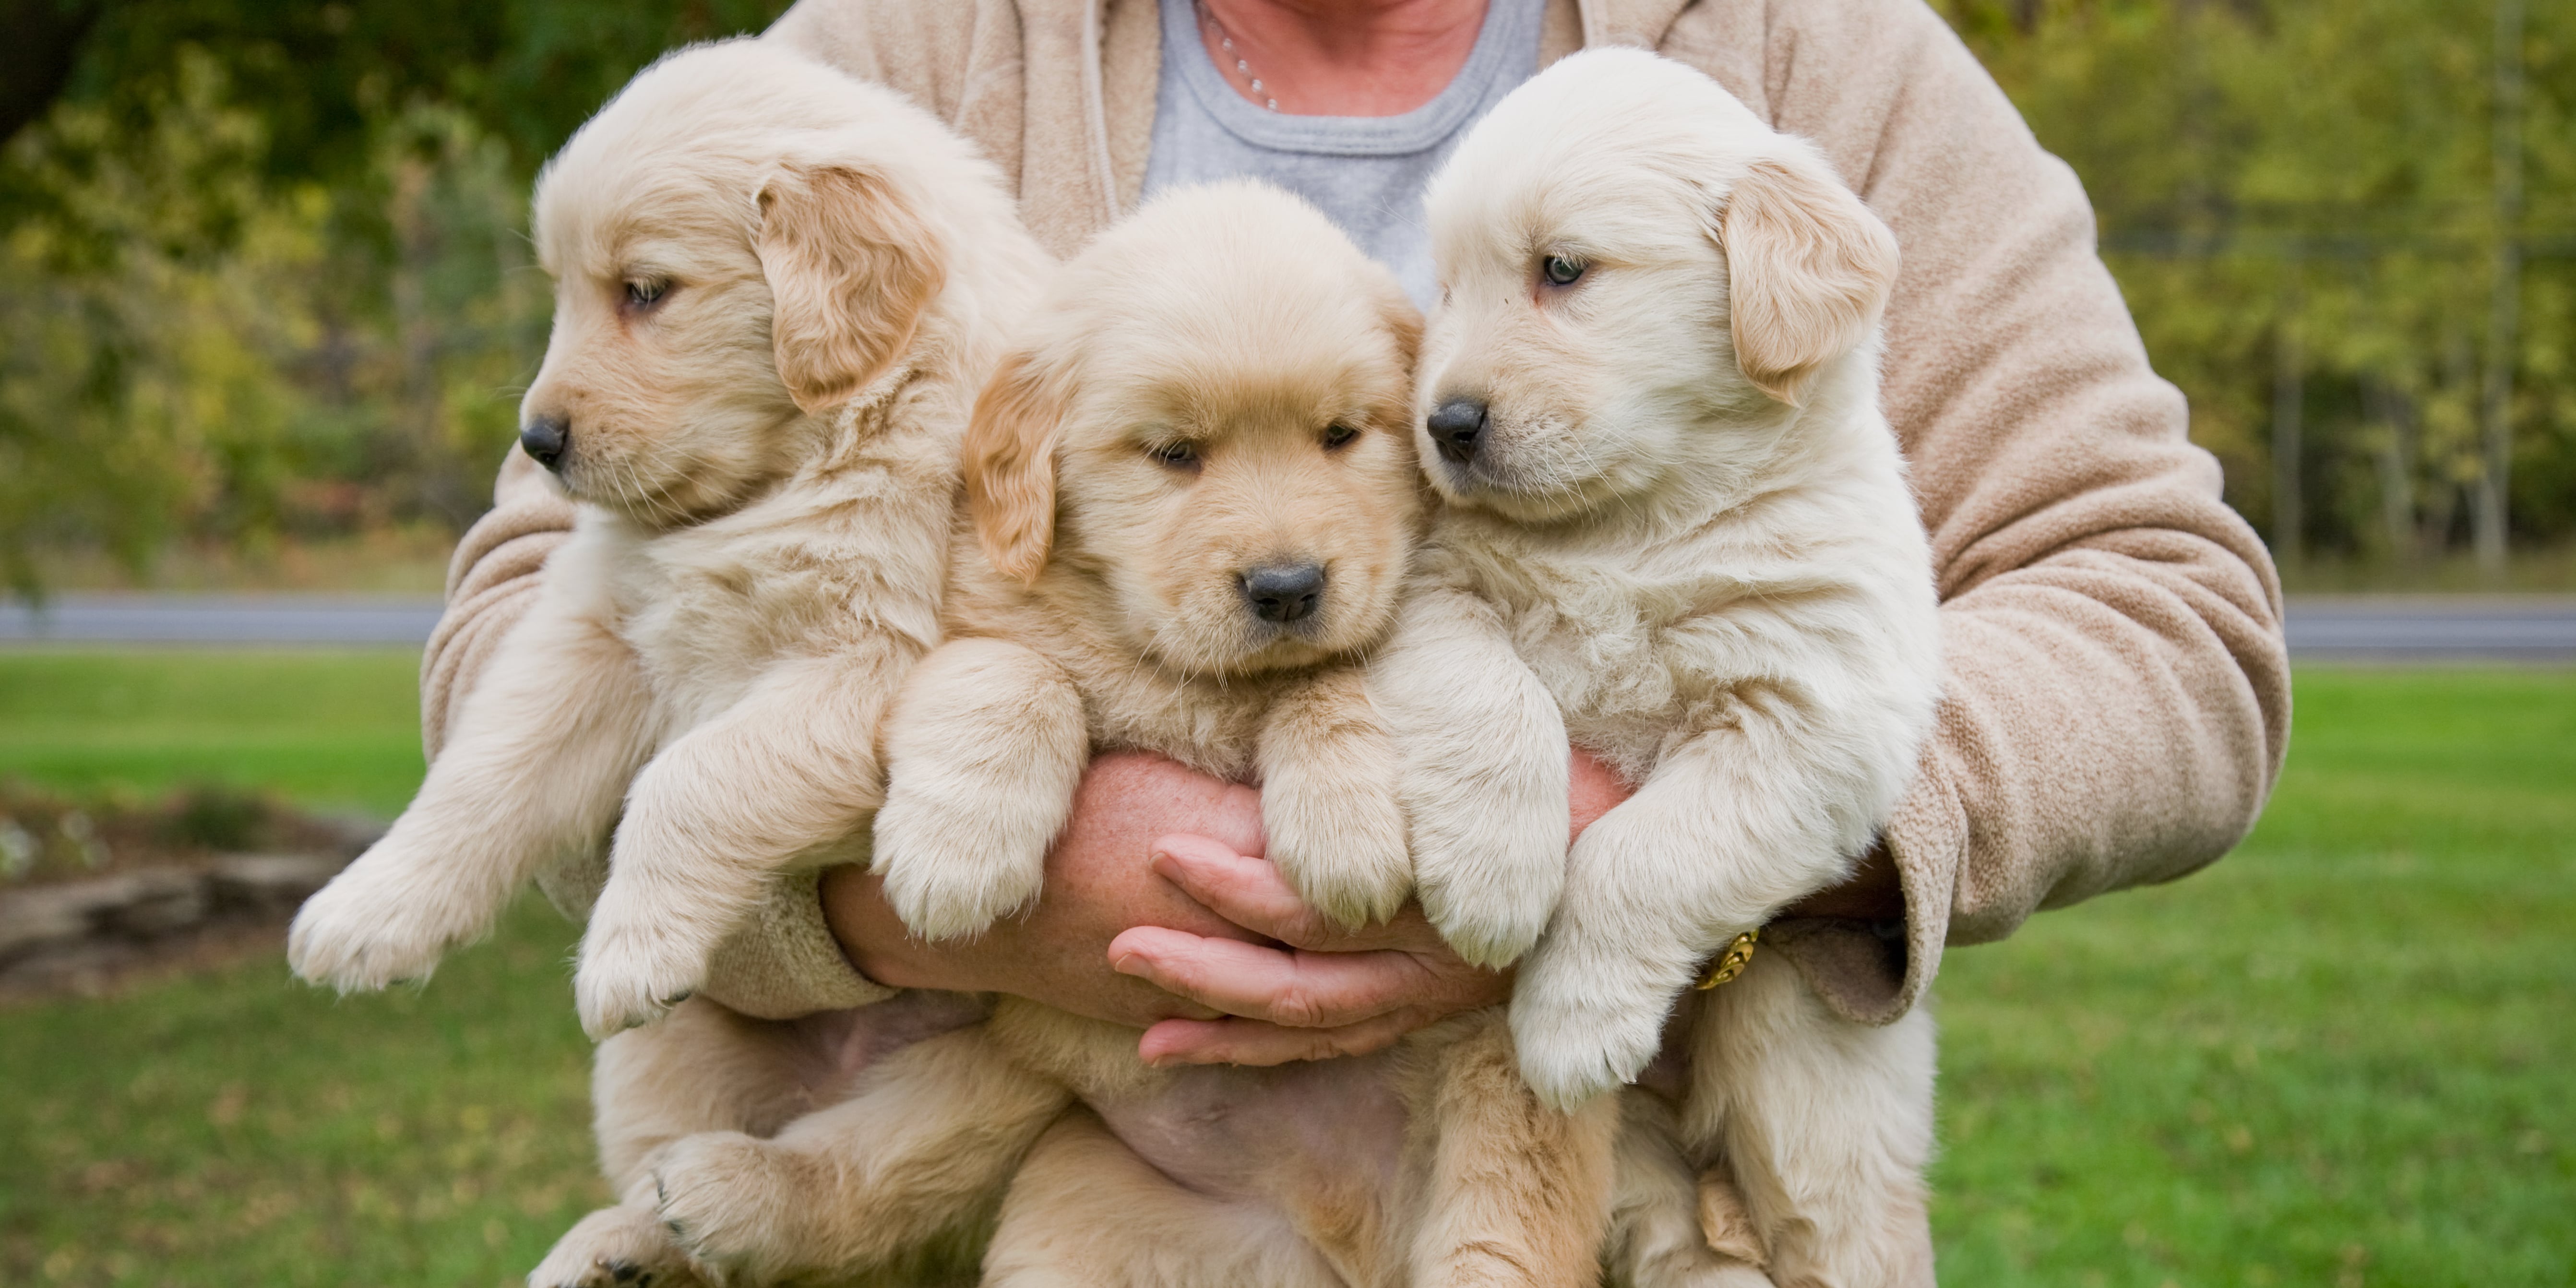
(777, 291)
(1679, 533)
(1192, 493)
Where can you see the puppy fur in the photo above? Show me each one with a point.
(768, 334)
(1218, 386)
(1678, 532)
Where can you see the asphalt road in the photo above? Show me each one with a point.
(2365, 630)
(219, 619)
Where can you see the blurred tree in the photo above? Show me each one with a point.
(2299, 198)
(265, 277)
(266, 273)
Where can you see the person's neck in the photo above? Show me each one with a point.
(1344, 57)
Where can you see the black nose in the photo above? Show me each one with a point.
(544, 439)
(1456, 427)
(1284, 593)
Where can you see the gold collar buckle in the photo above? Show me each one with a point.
(1730, 963)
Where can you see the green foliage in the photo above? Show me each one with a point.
(2304, 188)
(2337, 1057)
(264, 276)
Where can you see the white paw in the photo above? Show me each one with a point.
(1343, 851)
(731, 1200)
(619, 1247)
(1490, 877)
(631, 974)
(369, 928)
(1580, 1034)
(947, 877)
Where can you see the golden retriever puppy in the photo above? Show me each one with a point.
(1678, 532)
(1191, 496)
(777, 292)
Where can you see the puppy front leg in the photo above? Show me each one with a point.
(542, 751)
(789, 768)
(1519, 1194)
(1485, 774)
(1329, 775)
(984, 749)
(927, 1143)
(1732, 826)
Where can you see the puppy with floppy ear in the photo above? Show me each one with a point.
(1679, 535)
(766, 341)
(1191, 493)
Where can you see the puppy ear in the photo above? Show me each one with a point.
(1809, 270)
(1403, 321)
(851, 265)
(1009, 463)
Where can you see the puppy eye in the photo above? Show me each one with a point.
(1337, 437)
(1560, 270)
(644, 295)
(1180, 456)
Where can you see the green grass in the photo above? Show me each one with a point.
(330, 728)
(2341, 1056)
(2338, 1057)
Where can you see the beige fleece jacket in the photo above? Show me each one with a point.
(2118, 697)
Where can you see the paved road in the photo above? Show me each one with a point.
(220, 619)
(2388, 630)
(2532, 629)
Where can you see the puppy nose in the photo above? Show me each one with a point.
(1284, 593)
(1456, 427)
(544, 438)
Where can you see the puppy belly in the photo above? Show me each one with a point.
(834, 1047)
(1264, 1135)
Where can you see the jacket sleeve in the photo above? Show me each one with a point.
(2117, 694)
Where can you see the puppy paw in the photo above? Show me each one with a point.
(1490, 878)
(1579, 1033)
(946, 877)
(630, 977)
(619, 1247)
(732, 1201)
(368, 929)
(1343, 851)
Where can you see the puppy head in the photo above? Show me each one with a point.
(741, 241)
(1204, 441)
(1637, 274)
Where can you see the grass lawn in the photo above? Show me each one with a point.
(335, 729)
(2339, 1057)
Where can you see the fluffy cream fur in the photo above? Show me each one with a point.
(1681, 536)
(1219, 385)
(768, 334)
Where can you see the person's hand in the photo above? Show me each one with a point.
(1317, 992)
(1213, 953)
(1099, 883)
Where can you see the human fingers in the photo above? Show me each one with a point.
(1283, 986)
(1253, 894)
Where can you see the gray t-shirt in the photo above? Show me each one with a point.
(1366, 172)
